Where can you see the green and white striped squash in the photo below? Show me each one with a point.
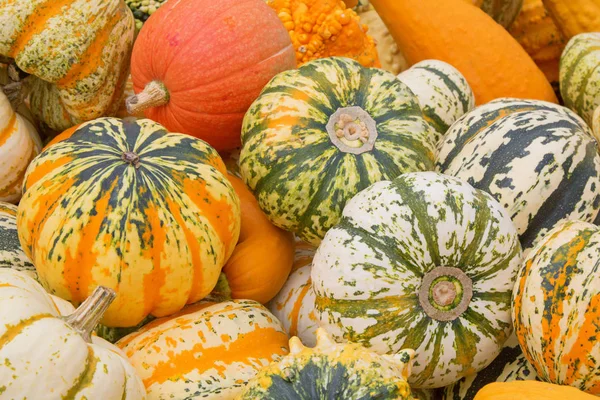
(11, 253)
(580, 77)
(539, 160)
(510, 365)
(556, 306)
(442, 90)
(319, 134)
(424, 262)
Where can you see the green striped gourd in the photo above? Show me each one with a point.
(510, 365)
(580, 77)
(424, 262)
(319, 134)
(11, 253)
(557, 306)
(539, 160)
(442, 90)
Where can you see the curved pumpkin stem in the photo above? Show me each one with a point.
(89, 313)
(155, 94)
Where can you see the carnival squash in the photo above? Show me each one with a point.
(575, 16)
(539, 160)
(47, 356)
(11, 254)
(198, 65)
(530, 390)
(319, 134)
(555, 306)
(424, 262)
(77, 55)
(493, 63)
(129, 206)
(349, 371)
(206, 351)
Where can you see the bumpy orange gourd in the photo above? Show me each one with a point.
(325, 28)
(575, 16)
(492, 61)
(263, 257)
(530, 390)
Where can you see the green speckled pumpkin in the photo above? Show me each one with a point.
(345, 371)
(11, 253)
(425, 262)
(319, 134)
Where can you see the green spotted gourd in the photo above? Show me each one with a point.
(11, 253)
(424, 262)
(539, 160)
(319, 134)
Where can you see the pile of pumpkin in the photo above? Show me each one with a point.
(300, 199)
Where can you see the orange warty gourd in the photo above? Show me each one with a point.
(262, 260)
(492, 61)
(575, 16)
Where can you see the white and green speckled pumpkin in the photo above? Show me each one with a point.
(442, 90)
(424, 262)
(539, 160)
(510, 365)
(580, 77)
(556, 306)
(319, 134)
(11, 253)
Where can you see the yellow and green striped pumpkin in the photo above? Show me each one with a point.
(425, 262)
(556, 310)
(129, 206)
(206, 351)
(11, 254)
(319, 134)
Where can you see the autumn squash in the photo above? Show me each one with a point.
(319, 134)
(212, 74)
(349, 371)
(47, 356)
(129, 206)
(502, 11)
(494, 63)
(575, 16)
(19, 144)
(443, 93)
(530, 390)
(206, 351)
(262, 259)
(555, 306)
(76, 53)
(424, 262)
(11, 253)
(143, 9)
(580, 76)
(539, 160)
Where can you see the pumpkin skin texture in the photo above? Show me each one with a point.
(443, 93)
(206, 351)
(19, 144)
(131, 207)
(539, 160)
(555, 306)
(204, 80)
(11, 253)
(77, 54)
(62, 364)
(262, 260)
(304, 150)
(530, 390)
(575, 17)
(494, 64)
(348, 370)
(424, 262)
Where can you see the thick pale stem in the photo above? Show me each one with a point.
(131, 158)
(445, 293)
(155, 94)
(85, 319)
(352, 130)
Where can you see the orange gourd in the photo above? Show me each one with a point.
(492, 61)
(262, 260)
(530, 390)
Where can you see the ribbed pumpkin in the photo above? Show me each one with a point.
(47, 356)
(575, 16)
(206, 351)
(556, 305)
(76, 52)
(580, 77)
(530, 390)
(318, 135)
(347, 371)
(11, 253)
(424, 262)
(443, 93)
(129, 206)
(539, 160)
(198, 65)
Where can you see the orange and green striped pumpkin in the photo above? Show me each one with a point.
(11, 253)
(132, 207)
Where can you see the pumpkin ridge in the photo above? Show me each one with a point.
(13, 330)
(85, 378)
(592, 74)
(568, 74)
